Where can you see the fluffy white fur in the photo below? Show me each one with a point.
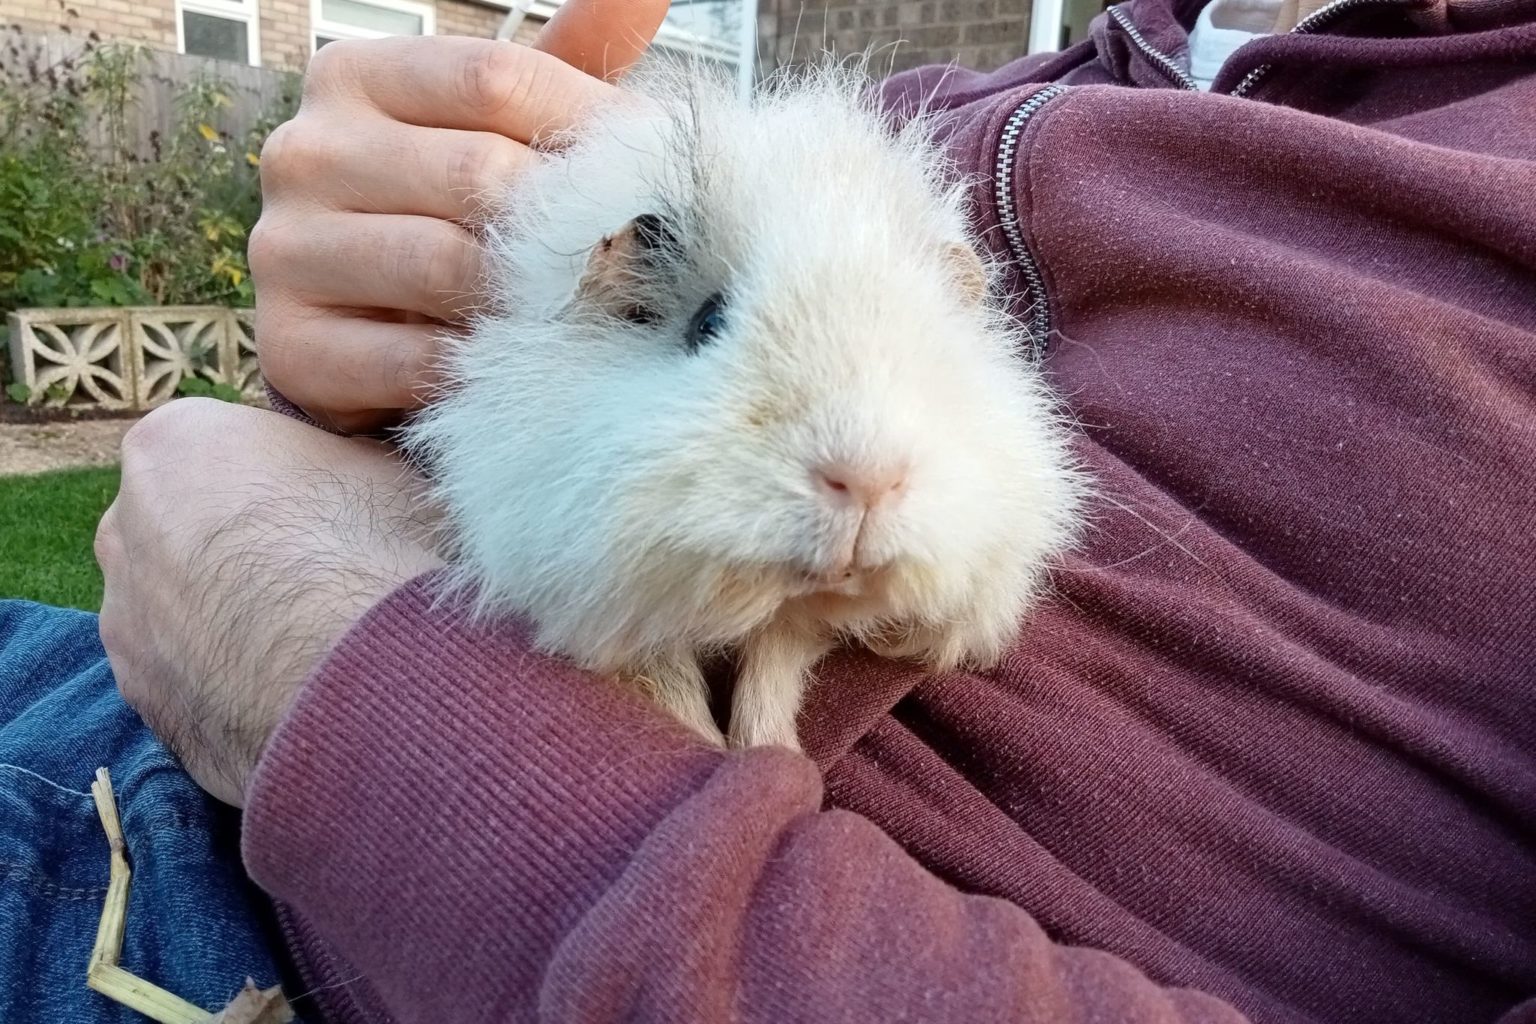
(645, 505)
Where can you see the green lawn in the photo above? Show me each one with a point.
(47, 523)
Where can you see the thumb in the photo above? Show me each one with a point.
(602, 37)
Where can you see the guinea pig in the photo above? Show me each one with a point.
(744, 388)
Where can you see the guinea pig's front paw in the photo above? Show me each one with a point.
(695, 715)
(708, 731)
(929, 644)
(758, 731)
(942, 648)
(678, 686)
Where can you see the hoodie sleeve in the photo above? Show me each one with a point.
(487, 834)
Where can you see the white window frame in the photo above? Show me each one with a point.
(230, 10)
(318, 26)
(743, 53)
(1045, 25)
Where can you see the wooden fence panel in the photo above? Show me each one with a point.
(253, 92)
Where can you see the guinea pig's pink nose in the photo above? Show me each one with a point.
(866, 486)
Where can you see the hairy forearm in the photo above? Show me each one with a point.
(241, 545)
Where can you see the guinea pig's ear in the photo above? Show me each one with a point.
(653, 236)
(969, 273)
(620, 263)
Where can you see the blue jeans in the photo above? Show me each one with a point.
(196, 924)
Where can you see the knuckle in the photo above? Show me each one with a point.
(265, 249)
(279, 353)
(484, 166)
(276, 150)
(496, 76)
(165, 427)
(107, 545)
(282, 150)
(333, 62)
(296, 157)
(141, 438)
(290, 339)
(110, 625)
(433, 261)
(404, 365)
(269, 334)
(318, 69)
(413, 262)
(470, 168)
(452, 273)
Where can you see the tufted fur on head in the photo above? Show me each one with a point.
(743, 388)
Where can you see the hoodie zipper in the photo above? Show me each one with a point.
(1318, 19)
(1037, 317)
(1159, 59)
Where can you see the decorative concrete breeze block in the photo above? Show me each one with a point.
(130, 357)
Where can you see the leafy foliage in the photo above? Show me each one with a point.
(91, 215)
(197, 387)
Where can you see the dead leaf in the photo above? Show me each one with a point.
(256, 1006)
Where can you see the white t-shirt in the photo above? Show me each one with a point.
(1222, 27)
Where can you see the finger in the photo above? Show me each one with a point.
(380, 367)
(396, 168)
(602, 37)
(455, 82)
(384, 261)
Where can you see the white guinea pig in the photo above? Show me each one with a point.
(743, 389)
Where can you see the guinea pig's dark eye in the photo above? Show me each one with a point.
(708, 322)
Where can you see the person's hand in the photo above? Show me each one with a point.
(362, 252)
(242, 544)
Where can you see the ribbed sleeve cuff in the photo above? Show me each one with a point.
(437, 783)
(279, 403)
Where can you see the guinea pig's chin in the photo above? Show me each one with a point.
(860, 596)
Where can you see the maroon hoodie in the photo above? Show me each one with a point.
(1266, 751)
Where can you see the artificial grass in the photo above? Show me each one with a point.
(47, 524)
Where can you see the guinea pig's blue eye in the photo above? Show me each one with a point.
(708, 322)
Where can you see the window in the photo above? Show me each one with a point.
(717, 22)
(1057, 24)
(724, 31)
(226, 29)
(368, 19)
(721, 30)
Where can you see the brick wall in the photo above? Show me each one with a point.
(152, 22)
(285, 39)
(528, 30)
(461, 18)
(980, 34)
(284, 28)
